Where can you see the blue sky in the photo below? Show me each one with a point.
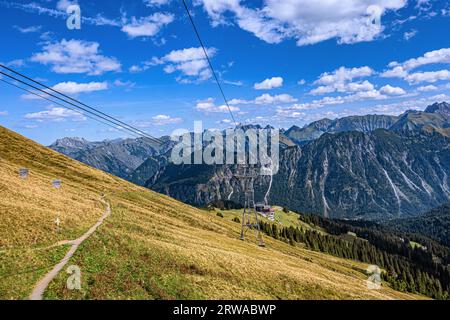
(281, 62)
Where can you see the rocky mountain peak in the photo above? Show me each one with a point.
(442, 107)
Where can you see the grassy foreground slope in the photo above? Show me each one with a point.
(151, 247)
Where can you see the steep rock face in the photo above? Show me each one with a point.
(352, 175)
(443, 108)
(365, 124)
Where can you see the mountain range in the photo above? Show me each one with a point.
(358, 167)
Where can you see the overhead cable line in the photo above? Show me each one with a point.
(209, 61)
(71, 108)
(93, 111)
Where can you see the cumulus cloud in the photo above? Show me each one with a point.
(135, 69)
(396, 72)
(76, 56)
(404, 70)
(392, 91)
(265, 99)
(432, 57)
(338, 100)
(75, 88)
(209, 106)
(341, 80)
(269, 99)
(274, 82)
(156, 3)
(158, 120)
(56, 114)
(427, 88)
(190, 62)
(430, 76)
(147, 26)
(306, 21)
(400, 107)
(163, 119)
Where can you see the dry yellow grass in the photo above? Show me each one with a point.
(151, 247)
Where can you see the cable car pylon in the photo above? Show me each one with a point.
(246, 174)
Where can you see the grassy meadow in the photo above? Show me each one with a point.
(151, 247)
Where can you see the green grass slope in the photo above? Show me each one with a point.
(151, 247)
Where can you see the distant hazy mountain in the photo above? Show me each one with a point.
(119, 157)
(365, 124)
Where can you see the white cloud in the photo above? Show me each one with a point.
(427, 88)
(209, 106)
(344, 74)
(233, 83)
(392, 91)
(430, 76)
(224, 121)
(158, 120)
(3, 113)
(75, 88)
(396, 108)
(156, 3)
(15, 63)
(30, 29)
(403, 70)
(409, 34)
(124, 84)
(301, 82)
(265, 99)
(165, 119)
(341, 79)
(238, 101)
(432, 57)
(269, 99)
(400, 107)
(147, 26)
(358, 86)
(76, 56)
(62, 5)
(190, 62)
(56, 114)
(268, 84)
(306, 21)
(337, 100)
(396, 72)
(135, 69)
